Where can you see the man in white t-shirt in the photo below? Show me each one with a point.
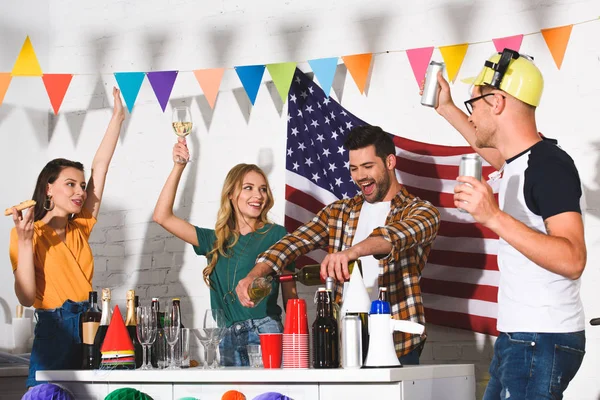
(538, 217)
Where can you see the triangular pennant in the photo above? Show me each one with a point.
(210, 81)
(130, 84)
(162, 83)
(282, 75)
(359, 65)
(453, 57)
(117, 338)
(5, 78)
(324, 69)
(56, 87)
(557, 40)
(419, 59)
(27, 63)
(509, 42)
(251, 77)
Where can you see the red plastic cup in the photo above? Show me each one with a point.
(296, 320)
(271, 345)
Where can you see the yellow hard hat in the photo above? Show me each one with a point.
(513, 73)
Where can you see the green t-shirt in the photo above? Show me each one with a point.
(230, 270)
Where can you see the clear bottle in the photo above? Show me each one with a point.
(104, 322)
(154, 353)
(178, 348)
(325, 333)
(90, 321)
(131, 324)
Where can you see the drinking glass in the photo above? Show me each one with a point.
(172, 329)
(182, 125)
(146, 331)
(210, 335)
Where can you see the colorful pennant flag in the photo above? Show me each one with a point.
(359, 65)
(162, 83)
(324, 69)
(251, 77)
(27, 63)
(56, 87)
(453, 57)
(130, 84)
(557, 40)
(419, 59)
(210, 80)
(282, 74)
(5, 78)
(508, 42)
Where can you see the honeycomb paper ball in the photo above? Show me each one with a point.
(127, 394)
(233, 395)
(48, 391)
(271, 396)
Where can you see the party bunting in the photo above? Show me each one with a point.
(557, 40)
(27, 63)
(419, 59)
(453, 57)
(56, 87)
(210, 80)
(251, 76)
(359, 65)
(162, 83)
(130, 84)
(5, 78)
(509, 42)
(282, 74)
(324, 69)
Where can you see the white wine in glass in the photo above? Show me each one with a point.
(182, 125)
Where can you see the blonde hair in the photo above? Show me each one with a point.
(227, 224)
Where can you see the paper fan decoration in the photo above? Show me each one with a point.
(117, 348)
(233, 395)
(127, 394)
(47, 391)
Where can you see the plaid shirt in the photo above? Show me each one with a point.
(411, 226)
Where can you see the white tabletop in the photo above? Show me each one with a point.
(246, 375)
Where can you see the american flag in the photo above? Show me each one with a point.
(460, 280)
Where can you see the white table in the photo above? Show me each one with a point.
(448, 382)
(12, 382)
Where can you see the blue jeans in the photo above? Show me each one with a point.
(233, 346)
(412, 358)
(56, 340)
(534, 365)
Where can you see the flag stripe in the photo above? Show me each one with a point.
(463, 260)
(457, 229)
(428, 149)
(438, 171)
(458, 274)
(302, 198)
(462, 321)
(460, 289)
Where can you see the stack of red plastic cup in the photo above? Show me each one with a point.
(295, 335)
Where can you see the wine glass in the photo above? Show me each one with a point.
(214, 328)
(146, 331)
(172, 330)
(182, 125)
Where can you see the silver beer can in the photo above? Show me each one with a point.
(470, 165)
(431, 89)
(352, 354)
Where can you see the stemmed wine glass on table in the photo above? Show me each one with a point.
(182, 125)
(172, 329)
(210, 335)
(146, 330)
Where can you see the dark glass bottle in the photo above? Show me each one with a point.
(160, 317)
(131, 324)
(104, 322)
(90, 320)
(325, 334)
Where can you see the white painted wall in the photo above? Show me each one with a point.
(99, 38)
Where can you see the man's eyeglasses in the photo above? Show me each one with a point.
(469, 103)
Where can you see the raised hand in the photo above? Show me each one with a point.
(23, 223)
(118, 110)
(181, 151)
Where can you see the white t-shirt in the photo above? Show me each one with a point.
(537, 184)
(371, 217)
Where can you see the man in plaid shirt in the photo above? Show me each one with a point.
(389, 229)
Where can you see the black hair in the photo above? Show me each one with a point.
(366, 135)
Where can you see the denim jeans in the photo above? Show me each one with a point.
(56, 340)
(412, 358)
(233, 346)
(534, 365)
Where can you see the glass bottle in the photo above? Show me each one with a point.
(325, 333)
(131, 324)
(104, 322)
(90, 320)
(335, 308)
(178, 348)
(154, 353)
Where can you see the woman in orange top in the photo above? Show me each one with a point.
(51, 258)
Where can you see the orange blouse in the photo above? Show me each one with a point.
(63, 270)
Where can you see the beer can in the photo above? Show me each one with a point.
(352, 356)
(431, 89)
(470, 165)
